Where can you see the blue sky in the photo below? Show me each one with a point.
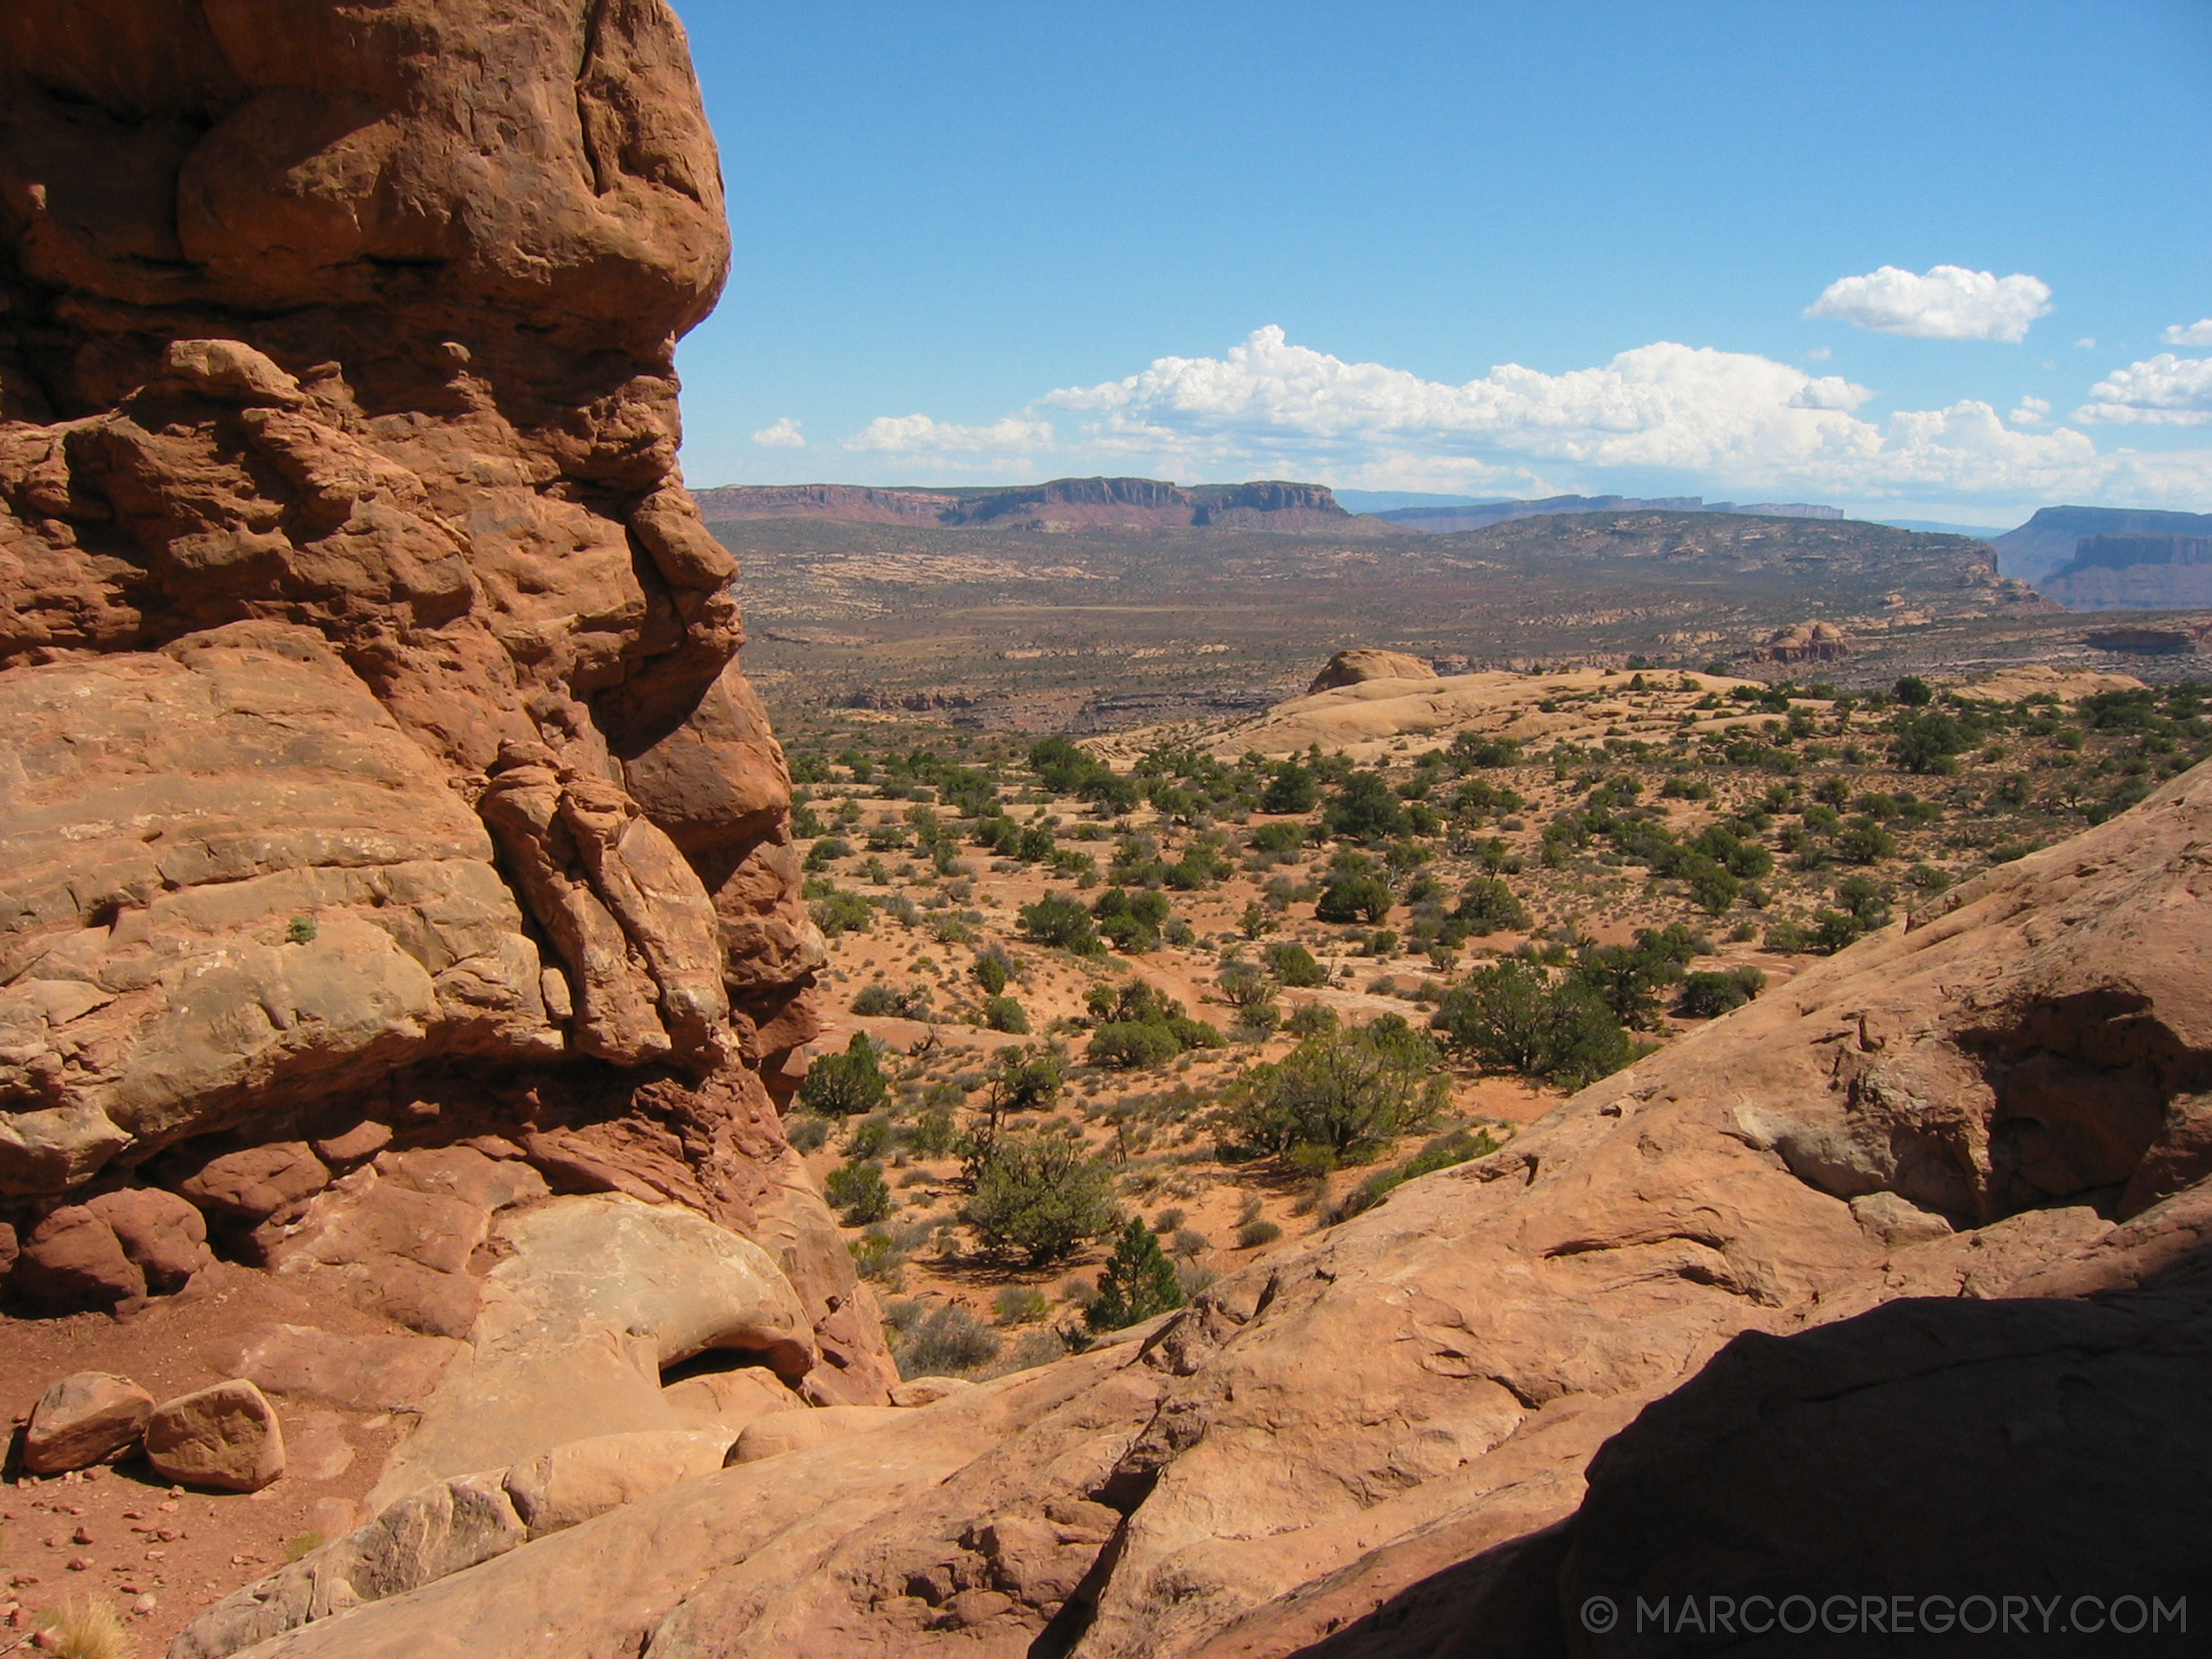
(998, 243)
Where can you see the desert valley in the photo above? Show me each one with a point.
(1101, 1068)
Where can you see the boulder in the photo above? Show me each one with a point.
(927, 1391)
(227, 1437)
(90, 1418)
(1356, 667)
(594, 1296)
(796, 1431)
(254, 1184)
(73, 1260)
(163, 1236)
(571, 1483)
(731, 1399)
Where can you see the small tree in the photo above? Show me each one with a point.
(839, 1086)
(1061, 920)
(1365, 808)
(1354, 899)
(1347, 1092)
(992, 971)
(1290, 789)
(1138, 1283)
(1488, 904)
(859, 1193)
(1040, 1192)
(1294, 964)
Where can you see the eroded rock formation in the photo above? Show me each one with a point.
(1939, 1205)
(378, 762)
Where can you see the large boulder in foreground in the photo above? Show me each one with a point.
(1387, 1428)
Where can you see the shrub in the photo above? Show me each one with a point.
(876, 1256)
(1365, 808)
(1294, 964)
(1193, 1034)
(1062, 921)
(880, 999)
(1346, 1091)
(1290, 789)
(859, 1192)
(1188, 1242)
(839, 1086)
(1020, 1305)
(1311, 1019)
(806, 1133)
(1354, 899)
(1005, 1014)
(824, 851)
(1026, 1079)
(1488, 905)
(1707, 996)
(1138, 1284)
(1277, 837)
(871, 1137)
(949, 1340)
(1128, 1044)
(1243, 984)
(1441, 1153)
(1511, 1017)
(1252, 1234)
(993, 972)
(1042, 1193)
(839, 911)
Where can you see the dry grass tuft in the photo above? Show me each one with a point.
(89, 1627)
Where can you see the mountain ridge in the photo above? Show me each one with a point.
(1060, 504)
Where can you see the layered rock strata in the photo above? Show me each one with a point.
(378, 761)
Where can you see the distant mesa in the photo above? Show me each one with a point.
(2187, 641)
(1449, 520)
(1353, 667)
(1064, 504)
(1809, 642)
(2047, 543)
(2139, 571)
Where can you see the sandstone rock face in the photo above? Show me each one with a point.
(371, 730)
(364, 1373)
(1356, 667)
(594, 1298)
(1809, 642)
(573, 1483)
(227, 1437)
(83, 1420)
(284, 899)
(1376, 1442)
(795, 1431)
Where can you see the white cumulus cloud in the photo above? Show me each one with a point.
(2192, 333)
(920, 435)
(1948, 302)
(1720, 422)
(785, 435)
(2164, 390)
